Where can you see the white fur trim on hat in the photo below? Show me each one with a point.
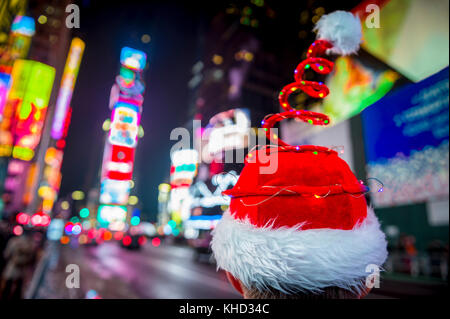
(342, 29)
(293, 260)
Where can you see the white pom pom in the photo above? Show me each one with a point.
(342, 29)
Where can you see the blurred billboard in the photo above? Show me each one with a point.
(406, 139)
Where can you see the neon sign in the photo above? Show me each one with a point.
(228, 130)
(108, 214)
(124, 125)
(5, 82)
(133, 59)
(184, 167)
(67, 85)
(114, 192)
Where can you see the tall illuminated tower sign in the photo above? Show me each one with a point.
(118, 157)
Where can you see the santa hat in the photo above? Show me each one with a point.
(303, 228)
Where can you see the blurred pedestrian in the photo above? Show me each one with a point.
(18, 254)
(4, 237)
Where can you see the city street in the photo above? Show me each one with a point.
(154, 272)
(254, 149)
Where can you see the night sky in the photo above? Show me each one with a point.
(106, 27)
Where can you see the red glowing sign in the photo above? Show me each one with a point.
(119, 163)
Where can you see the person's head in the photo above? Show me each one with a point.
(304, 232)
(270, 293)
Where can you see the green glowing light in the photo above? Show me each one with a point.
(172, 223)
(84, 212)
(135, 220)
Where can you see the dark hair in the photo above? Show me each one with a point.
(327, 293)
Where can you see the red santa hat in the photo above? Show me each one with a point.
(304, 227)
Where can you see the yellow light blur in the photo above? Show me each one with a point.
(248, 56)
(106, 125)
(217, 59)
(42, 19)
(133, 200)
(47, 204)
(65, 205)
(164, 188)
(77, 195)
(145, 38)
(140, 131)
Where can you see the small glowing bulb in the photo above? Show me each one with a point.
(42, 19)
(145, 38)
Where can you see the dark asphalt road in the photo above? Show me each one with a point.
(153, 272)
(165, 272)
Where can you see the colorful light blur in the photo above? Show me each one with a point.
(226, 131)
(133, 59)
(118, 235)
(5, 82)
(114, 192)
(17, 230)
(56, 229)
(135, 220)
(126, 240)
(78, 195)
(65, 240)
(23, 218)
(156, 241)
(22, 29)
(142, 240)
(29, 95)
(67, 85)
(118, 163)
(84, 212)
(184, 167)
(23, 25)
(108, 214)
(40, 219)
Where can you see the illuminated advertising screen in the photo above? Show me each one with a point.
(110, 214)
(133, 59)
(407, 143)
(184, 167)
(209, 194)
(114, 192)
(31, 88)
(355, 83)
(5, 81)
(22, 29)
(228, 130)
(23, 25)
(412, 37)
(124, 125)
